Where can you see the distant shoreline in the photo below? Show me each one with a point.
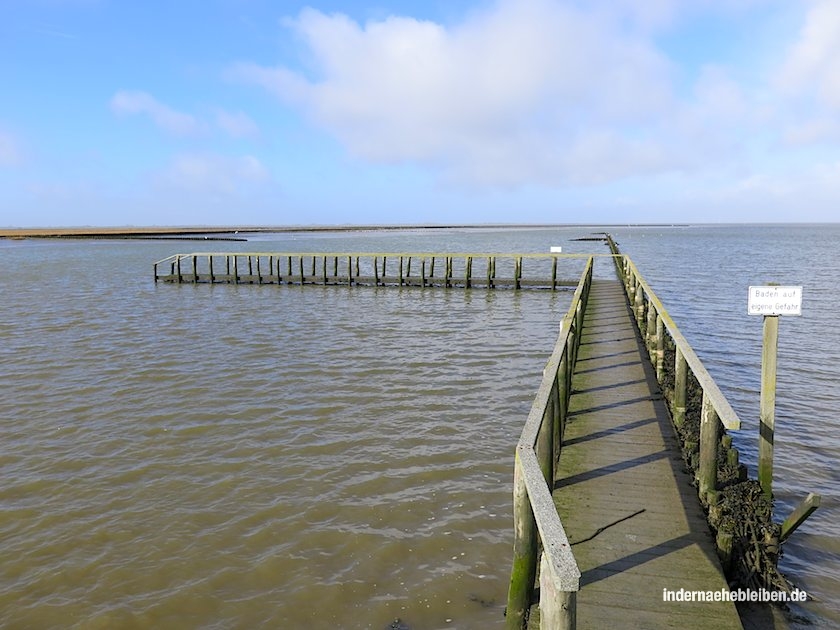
(192, 232)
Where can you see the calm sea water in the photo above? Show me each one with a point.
(334, 457)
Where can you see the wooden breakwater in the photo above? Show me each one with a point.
(465, 270)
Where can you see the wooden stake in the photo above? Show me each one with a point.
(767, 411)
(798, 516)
(709, 431)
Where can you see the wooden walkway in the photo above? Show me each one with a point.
(620, 460)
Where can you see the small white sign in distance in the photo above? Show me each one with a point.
(772, 300)
(556, 249)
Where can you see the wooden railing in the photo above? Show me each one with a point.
(655, 323)
(376, 269)
(534, 513)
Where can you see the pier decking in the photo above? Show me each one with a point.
(620, 460)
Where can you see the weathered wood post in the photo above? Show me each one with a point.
(401, 270)
(335, 267)
(524, 569)
(660, 348)
(178, 265)
(357, 266)
(195, 268)
(709, 432)
(489, 269)
(408, 269)
(767, 409)
(376, 271)
(289, 270)
(554, 273)
(558, 609)
(227, 267)
(300, 264)
(384, 261)
(259, 271)
(235, 269)
(349, 271)
(432, 268)
(324, 270)
(313, 269)
(517, 272)
(210, 266)
(680, 387)
(639, 303)
(423, 272)
(467, 271)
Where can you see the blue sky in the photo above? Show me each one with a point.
(220, 112)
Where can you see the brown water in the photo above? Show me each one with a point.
(237, 456)
(339, 457)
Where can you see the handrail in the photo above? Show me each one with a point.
(534, 511)
(726, 414)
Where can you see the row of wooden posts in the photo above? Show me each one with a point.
(361, 269)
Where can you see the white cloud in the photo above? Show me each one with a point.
(236, 124)
(813, 60)
(213, 174)
(10, 152)
(172, 121)
(508, 96)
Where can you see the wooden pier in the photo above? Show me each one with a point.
(491, 271)
(608, 518)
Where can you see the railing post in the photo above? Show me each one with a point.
(524, 568)
(517, 273)
(554, 273)
(349, 271)
(543, 447)
(259, 271)
(432, 268)
(324, 269)
(639, 303)
(680, 387)
(423, 273)
(235, 269)
(210, 266)
(376, 271)
(300, 264)
(467, 271)
(660, 347)
(558, 609)
(650, 331)
(709, 432)
(401, 270)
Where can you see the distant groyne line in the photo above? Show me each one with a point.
(130, 232)
(464, 270)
